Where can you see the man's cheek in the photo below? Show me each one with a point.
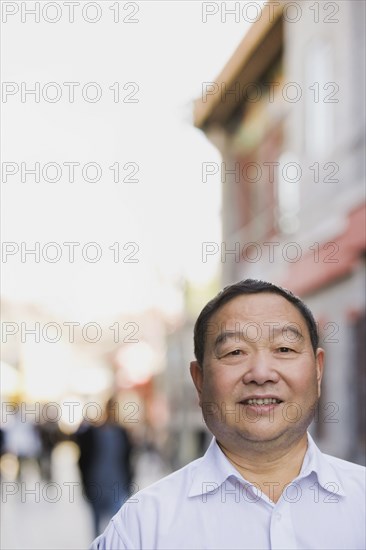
(210, 409)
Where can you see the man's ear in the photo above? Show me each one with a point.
(197, 377)
(319, 361)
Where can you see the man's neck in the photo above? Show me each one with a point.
(271, 471)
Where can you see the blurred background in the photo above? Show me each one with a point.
(153, 152)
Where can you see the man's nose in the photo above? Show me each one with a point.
(261, 369)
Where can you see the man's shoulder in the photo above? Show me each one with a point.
(351, 475)
(177, 481)
(344, 465)
(161, 501)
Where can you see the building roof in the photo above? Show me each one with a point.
(258, 49)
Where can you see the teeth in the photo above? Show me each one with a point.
(266, 401)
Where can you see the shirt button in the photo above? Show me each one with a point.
(278, 516)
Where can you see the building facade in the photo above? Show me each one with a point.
(287, 113)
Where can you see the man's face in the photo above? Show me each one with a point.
(258, 348)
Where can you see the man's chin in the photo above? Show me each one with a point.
(262, 435)
(261, 438)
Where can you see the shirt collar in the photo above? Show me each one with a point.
(214, 468)
(317, 462)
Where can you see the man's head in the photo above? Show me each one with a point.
(258, 367)
(248, 286)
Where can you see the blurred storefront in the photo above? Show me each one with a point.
(287, 114)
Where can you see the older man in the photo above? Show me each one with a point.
(262, 483)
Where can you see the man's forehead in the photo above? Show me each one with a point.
(263, 309)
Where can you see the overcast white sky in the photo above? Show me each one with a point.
(169, 212)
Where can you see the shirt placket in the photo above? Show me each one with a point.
(282, 533)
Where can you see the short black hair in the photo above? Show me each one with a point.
(248, 286)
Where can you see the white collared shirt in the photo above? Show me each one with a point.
(208, 504)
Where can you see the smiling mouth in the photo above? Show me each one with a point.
(264, 401)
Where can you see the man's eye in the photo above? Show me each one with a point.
(283, 349)
(235, 352)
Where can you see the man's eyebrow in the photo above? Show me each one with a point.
(232, 334)
(272, 332)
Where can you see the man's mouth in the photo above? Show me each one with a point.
(261, 401)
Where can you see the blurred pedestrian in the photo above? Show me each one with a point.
(50, 435)
(105, 465)
(23, 441)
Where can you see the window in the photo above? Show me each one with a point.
(321, 92)
(288, 193)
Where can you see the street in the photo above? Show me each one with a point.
(37, 515)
